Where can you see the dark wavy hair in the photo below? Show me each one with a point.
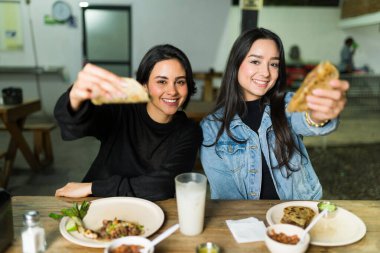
(166, 52)
(231, 97)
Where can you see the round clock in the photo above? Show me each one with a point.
(61, 11)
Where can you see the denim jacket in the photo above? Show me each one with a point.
(234, 169)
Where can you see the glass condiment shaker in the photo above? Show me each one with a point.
(208, 247)
(33, 234)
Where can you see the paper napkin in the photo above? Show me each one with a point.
(247, 230)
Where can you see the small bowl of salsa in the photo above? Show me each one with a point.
(286, 238)
(130, 244)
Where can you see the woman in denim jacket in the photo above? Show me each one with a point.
(252, 148)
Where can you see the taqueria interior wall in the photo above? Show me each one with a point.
(204, 30)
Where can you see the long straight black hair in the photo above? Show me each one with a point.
(231, 97)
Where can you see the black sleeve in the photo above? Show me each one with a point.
(157, 185)
(87, 121)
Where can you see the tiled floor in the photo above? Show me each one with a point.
(73, 158)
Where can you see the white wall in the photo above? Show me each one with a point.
(186, 24)
(56, 46)
(204, 29)
(195, 26)
(230, 33)
(317, 32)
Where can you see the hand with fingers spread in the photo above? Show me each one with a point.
(74, 190)
(93, 81)
(328, 104)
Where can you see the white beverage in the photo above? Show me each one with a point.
(191, 197)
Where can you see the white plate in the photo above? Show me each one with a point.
(137, 210)
(345, 228)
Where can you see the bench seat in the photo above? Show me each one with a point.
(42, 146)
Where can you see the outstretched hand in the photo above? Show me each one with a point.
(328, 104)
(93, 81)
(74, 190)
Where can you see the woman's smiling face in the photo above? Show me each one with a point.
(167, 88)
(258, 72)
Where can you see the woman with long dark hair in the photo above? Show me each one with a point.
(252, 148)
(143, 146)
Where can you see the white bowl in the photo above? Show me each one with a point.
(131, 240)
(278, 247)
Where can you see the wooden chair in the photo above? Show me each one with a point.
(207, 77)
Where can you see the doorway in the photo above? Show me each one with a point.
(107, 38)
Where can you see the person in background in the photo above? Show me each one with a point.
(346, 64)
(295, 56)
(252, 148)
(143, 146)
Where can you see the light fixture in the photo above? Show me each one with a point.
(83, 4)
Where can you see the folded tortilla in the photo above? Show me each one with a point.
(297, 215)
(319, 78)
(133, 90)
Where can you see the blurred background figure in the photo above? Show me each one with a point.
(346, 64)
(295, 55)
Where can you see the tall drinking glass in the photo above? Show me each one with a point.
(191, 199)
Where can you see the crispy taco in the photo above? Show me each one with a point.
(319, 78)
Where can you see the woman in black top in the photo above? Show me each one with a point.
(143, 146)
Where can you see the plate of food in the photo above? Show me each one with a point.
(341, 228)
(110, 218)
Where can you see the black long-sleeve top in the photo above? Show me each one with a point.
(138, 156)
(253, 120)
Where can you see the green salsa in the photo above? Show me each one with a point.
(206, 250)
(208, 247)
(331, 207)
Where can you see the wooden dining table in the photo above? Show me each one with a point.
(215, 229)
(13, 117)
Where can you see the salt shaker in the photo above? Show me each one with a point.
(33, 234)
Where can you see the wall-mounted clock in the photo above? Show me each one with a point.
(61, 11)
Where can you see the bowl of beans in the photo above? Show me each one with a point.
(130, 244)
(286, 238)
